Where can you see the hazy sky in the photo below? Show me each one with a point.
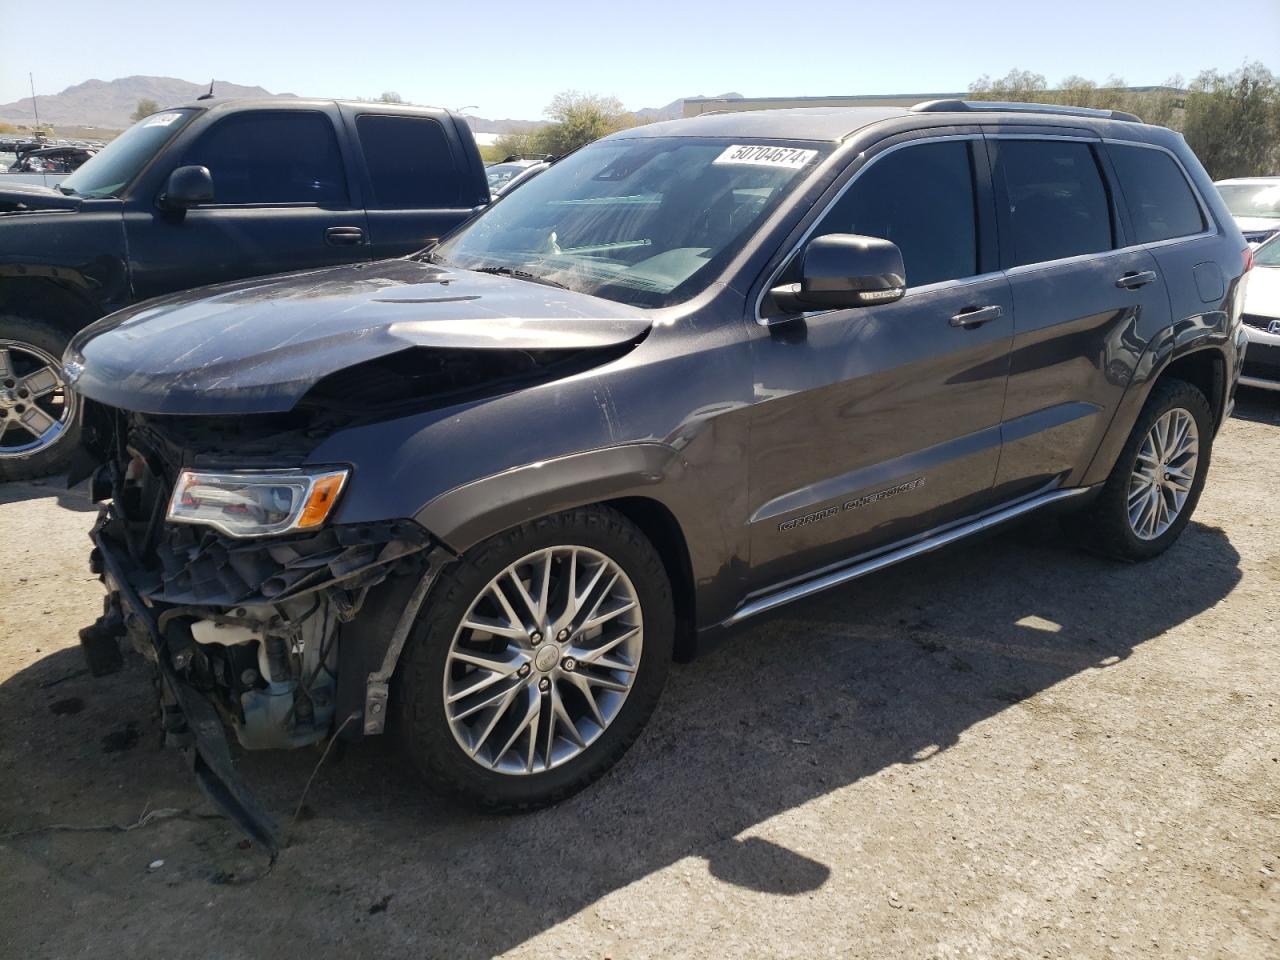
(509, 59)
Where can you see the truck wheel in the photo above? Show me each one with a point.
(537, 660)
(1155, 485)
(39, 417)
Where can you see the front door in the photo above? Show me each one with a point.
(877, 423)
(281, 202)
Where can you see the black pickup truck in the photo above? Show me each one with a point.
(204, 193)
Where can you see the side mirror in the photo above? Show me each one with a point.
(843, 270)
(187, 187)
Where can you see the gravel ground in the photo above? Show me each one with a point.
(1010, 749)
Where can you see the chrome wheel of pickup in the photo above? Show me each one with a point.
(543, 660)
(1163, 473)
(36, 407)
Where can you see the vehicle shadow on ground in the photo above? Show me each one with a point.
(74, 498)
(891, 670)
(1257, 406)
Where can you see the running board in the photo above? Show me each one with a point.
(881, 561)
(1259, 384)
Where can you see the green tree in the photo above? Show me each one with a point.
(145, 109)
(579, 118)
(520, 143)
(1014, 85)
(390, 96)
(1233, 121)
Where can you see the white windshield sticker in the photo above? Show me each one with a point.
(160, 119)
(765, 156)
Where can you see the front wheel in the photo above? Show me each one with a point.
(1155, 485)
(537, 660)
(39, 416)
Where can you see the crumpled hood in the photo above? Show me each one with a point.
(257, 346)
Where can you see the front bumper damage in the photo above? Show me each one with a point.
(282, 640)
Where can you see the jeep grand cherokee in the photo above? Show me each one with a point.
(693, 371)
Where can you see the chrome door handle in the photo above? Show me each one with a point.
(344, 236)
(977, 316)
(1136, 278)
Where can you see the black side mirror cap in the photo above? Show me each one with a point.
(187, 187)
(842, 270)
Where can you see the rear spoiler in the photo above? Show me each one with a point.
(24, 196)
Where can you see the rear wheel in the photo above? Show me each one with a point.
(538, 659)
(1155, 485)
(39, 415)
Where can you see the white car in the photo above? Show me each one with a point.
(1255, 204)
(1262, 319)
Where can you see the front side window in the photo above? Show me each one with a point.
(272, 156)
(1161, 204)
(1058, 205)
(922, 199)
(645, 221)
(409, 161)
(113, 168)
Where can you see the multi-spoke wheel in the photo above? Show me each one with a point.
(538, 659)
(1156, 482)
(1163, 473)
(39, 416)
(544, 660)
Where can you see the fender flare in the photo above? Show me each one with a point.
(468, 514)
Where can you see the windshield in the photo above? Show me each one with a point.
(643, 221)
(1252, 199)
(115, 166)
(1268, 255)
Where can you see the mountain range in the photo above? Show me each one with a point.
(110, 103)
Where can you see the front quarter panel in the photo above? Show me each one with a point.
(666, 422)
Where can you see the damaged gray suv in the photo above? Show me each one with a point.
(484, 495)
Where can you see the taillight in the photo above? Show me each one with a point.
(1248, 259)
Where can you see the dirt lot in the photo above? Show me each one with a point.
(1010, 749)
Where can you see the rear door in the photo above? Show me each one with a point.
(282, 202)
(418, 178)
(877, 423)
(1081, 300)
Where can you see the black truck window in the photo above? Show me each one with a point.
(1159, 198)
(273, 156)
(410, 163)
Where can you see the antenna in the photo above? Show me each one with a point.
(34, 108)
(209, 95)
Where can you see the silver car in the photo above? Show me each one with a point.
(1262, 318)
(1254, 202)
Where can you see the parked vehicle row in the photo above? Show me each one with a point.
(691, 372)
(510, 173)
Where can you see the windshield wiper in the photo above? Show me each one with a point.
(67, 191)
(520, 275)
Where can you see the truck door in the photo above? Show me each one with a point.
(282, 202)
(418, 177)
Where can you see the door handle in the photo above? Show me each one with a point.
(972, 317)
(1136, 278)
(343, 236)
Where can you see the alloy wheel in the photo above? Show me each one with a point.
(1163, 474)
(543, 660)
(36, 407)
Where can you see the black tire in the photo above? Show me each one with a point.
(1107, 526)
(54, 458)
(419, 695)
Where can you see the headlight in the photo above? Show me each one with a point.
(256, 504)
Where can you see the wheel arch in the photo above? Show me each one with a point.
(52, 299)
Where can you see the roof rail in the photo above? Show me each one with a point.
(998, 106)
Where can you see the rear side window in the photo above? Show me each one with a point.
(1161, 204)
(1058, 204)
(410, 163)
(272, 156)
(922, 198)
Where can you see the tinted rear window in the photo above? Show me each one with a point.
(410, 164)
(1161, 204)
(1058, 205)
(272, 156)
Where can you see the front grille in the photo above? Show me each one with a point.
(1259, 321)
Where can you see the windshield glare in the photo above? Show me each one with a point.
(1252, 199)
(1268, 255)
(108, 172)
(643, 221)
